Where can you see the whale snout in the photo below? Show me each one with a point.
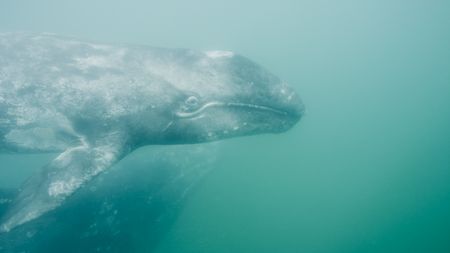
(286, 99)
(295, 106)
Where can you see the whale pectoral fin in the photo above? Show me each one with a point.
(58, 180)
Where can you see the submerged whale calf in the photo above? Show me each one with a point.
(95, 103)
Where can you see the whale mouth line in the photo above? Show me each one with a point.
(231, 104)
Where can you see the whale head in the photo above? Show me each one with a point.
(222, 95)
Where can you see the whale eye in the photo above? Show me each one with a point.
(191, 102)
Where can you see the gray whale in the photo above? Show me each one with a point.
(95, 103)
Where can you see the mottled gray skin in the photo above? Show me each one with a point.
(95, 103)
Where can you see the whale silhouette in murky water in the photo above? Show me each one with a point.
(96, 103)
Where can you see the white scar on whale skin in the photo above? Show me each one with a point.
(217, 54)
(94, 103)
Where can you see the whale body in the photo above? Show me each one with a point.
(95, 103)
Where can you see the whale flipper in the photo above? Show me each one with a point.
(58, 180)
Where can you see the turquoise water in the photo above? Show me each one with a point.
(366, 170)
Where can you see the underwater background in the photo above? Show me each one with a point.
(367, 169)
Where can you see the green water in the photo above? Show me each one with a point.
(368, 167)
